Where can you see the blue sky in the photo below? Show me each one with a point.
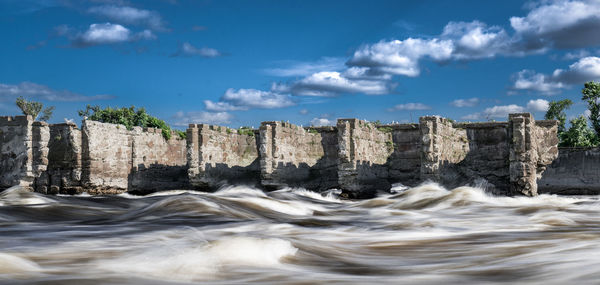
(239, 63)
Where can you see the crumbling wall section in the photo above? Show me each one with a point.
(576, 171)
(64, 159)
(443, 148)
(218, 155)
(486, 164)
(16, 151)
(404, 164)
(532, 148)
(363, 154)
(294, 156)
(39, 161)
(157, 163)
(106, 158)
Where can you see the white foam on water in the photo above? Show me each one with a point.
(187, 261)
(19, 195)
(328, 197)
(11, 264)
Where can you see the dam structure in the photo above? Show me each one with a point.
(356, 156)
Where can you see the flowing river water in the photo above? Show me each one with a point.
(240, 235)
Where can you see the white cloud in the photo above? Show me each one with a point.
(409, 106)
(26, 89)
(185, 118)
(401, 57)
(303, 111)
(331, 83)
(560, 23)
(472, 40)
(587, 113)
(539, 105)
(108, 33)
(460, 103)
(530, 80)
(187, 49)
(245, 99)
(495, 112)
(319, 122)
(585, 69)
(294, 68)
(130, 15)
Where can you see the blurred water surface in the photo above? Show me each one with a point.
(422, 235)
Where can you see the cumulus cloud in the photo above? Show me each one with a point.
(108, 33)
(400, 57)
(187, 49)
(585, 69)
(331, 83)
(539, 105)
(26, 89)
(460, 103)
(130, 15)
(294, 68)
(473, 40)
(495, 112)
(245, 99)
(410, 107)
(560, 24)
(319, 122)
(201, 117)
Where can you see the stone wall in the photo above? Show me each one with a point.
(404, 164)
(575, 171)
(23, 152)
(364, 151)
(116, 160)
(217, 155)
(294, 156)
(486, 163)
(356, 156)
(107, 157)
(443, 148)
(532, 147)
(64, 159)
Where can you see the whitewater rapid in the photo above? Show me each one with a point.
(240, 235)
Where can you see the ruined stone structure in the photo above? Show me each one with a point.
(576, 171)
(218, 155)
(99, 158)
(360, 157)
(356, 156)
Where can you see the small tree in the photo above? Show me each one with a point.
(579, 134)
(556, 111)
(33, 109)
(591, 94)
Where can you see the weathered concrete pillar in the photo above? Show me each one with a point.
(266, 150)
(40, 139)
(523, 154)
(193, 153)
(430, 150)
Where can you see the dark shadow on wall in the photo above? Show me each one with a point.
(157, 177)
(576, 171)
(321, 176)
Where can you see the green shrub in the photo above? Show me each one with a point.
(33, 109)
(246, 131)
(129, 117)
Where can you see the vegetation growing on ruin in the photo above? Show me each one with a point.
(129, 117)
(33, 109)
(246, 131)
